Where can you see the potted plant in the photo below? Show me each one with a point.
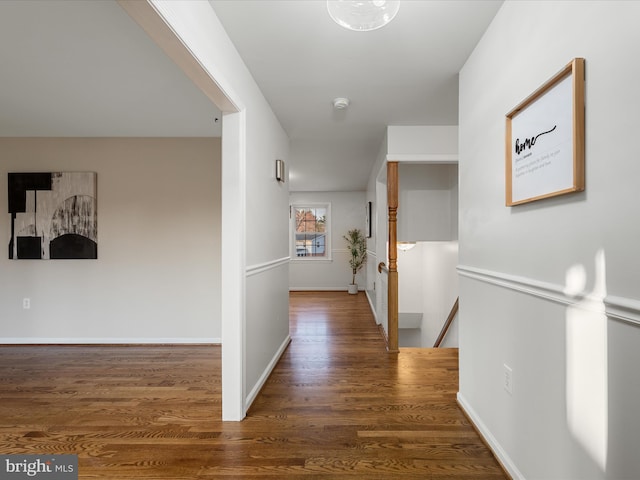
(358, 255)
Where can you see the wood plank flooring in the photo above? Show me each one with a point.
(336, 406)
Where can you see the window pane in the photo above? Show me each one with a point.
(311, 219)
(311, 231)
(310, 245)
(321, 219)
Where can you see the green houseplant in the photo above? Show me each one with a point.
(357, 245)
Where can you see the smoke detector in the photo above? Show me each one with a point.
(340, 103)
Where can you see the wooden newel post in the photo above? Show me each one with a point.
(392, 202)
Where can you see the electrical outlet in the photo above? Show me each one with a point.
(508, 379)
(26, 303)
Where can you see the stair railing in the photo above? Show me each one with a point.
(447, 324)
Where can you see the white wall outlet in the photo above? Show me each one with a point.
(26, 303)
(508, 379)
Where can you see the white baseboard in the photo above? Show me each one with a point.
(490, 440)
(265, 375)
(107, 341)
(372, 306)
(322, 289)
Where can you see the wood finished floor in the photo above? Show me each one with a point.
(336, 406)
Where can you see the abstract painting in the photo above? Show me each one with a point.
(53, 215)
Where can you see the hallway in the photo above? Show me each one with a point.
(336, 406)
(346, 408)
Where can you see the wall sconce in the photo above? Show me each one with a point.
(280, 170)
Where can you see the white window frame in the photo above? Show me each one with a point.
(292, 232)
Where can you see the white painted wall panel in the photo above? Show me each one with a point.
(262, 288)
(585, 243)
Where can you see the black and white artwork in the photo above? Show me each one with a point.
(53, 215)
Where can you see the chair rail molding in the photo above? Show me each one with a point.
(617, 308)
(263, 267)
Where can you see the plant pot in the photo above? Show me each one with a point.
(353, 288)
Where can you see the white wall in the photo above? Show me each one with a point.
(157, 276)
(427, 197)
(420, 142)
(347, 212)
(551, 288)
(440, 283)
(377, 245)
(428, 285)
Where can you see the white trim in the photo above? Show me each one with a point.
(330, 259)
(109, 341)
(341, 288)
(265, 375)
(436, 158)
(536, 288)
(618, 308)
(371, 253)
(490, 440)
(209, 78)
(372, 307)
(266, 266)
(233, 265)
(624, 309)
(311, 260)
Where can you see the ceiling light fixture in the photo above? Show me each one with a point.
(363, 15)
(405, 246)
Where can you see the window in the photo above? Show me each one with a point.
(311, 231)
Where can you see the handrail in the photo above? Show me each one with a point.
(447, 324)
(382, 268)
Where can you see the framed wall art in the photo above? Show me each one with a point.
(53, 215)
(545, 139)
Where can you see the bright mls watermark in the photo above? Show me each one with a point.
(49, 467)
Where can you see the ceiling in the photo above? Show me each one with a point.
(405, 73)
(84, 68)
